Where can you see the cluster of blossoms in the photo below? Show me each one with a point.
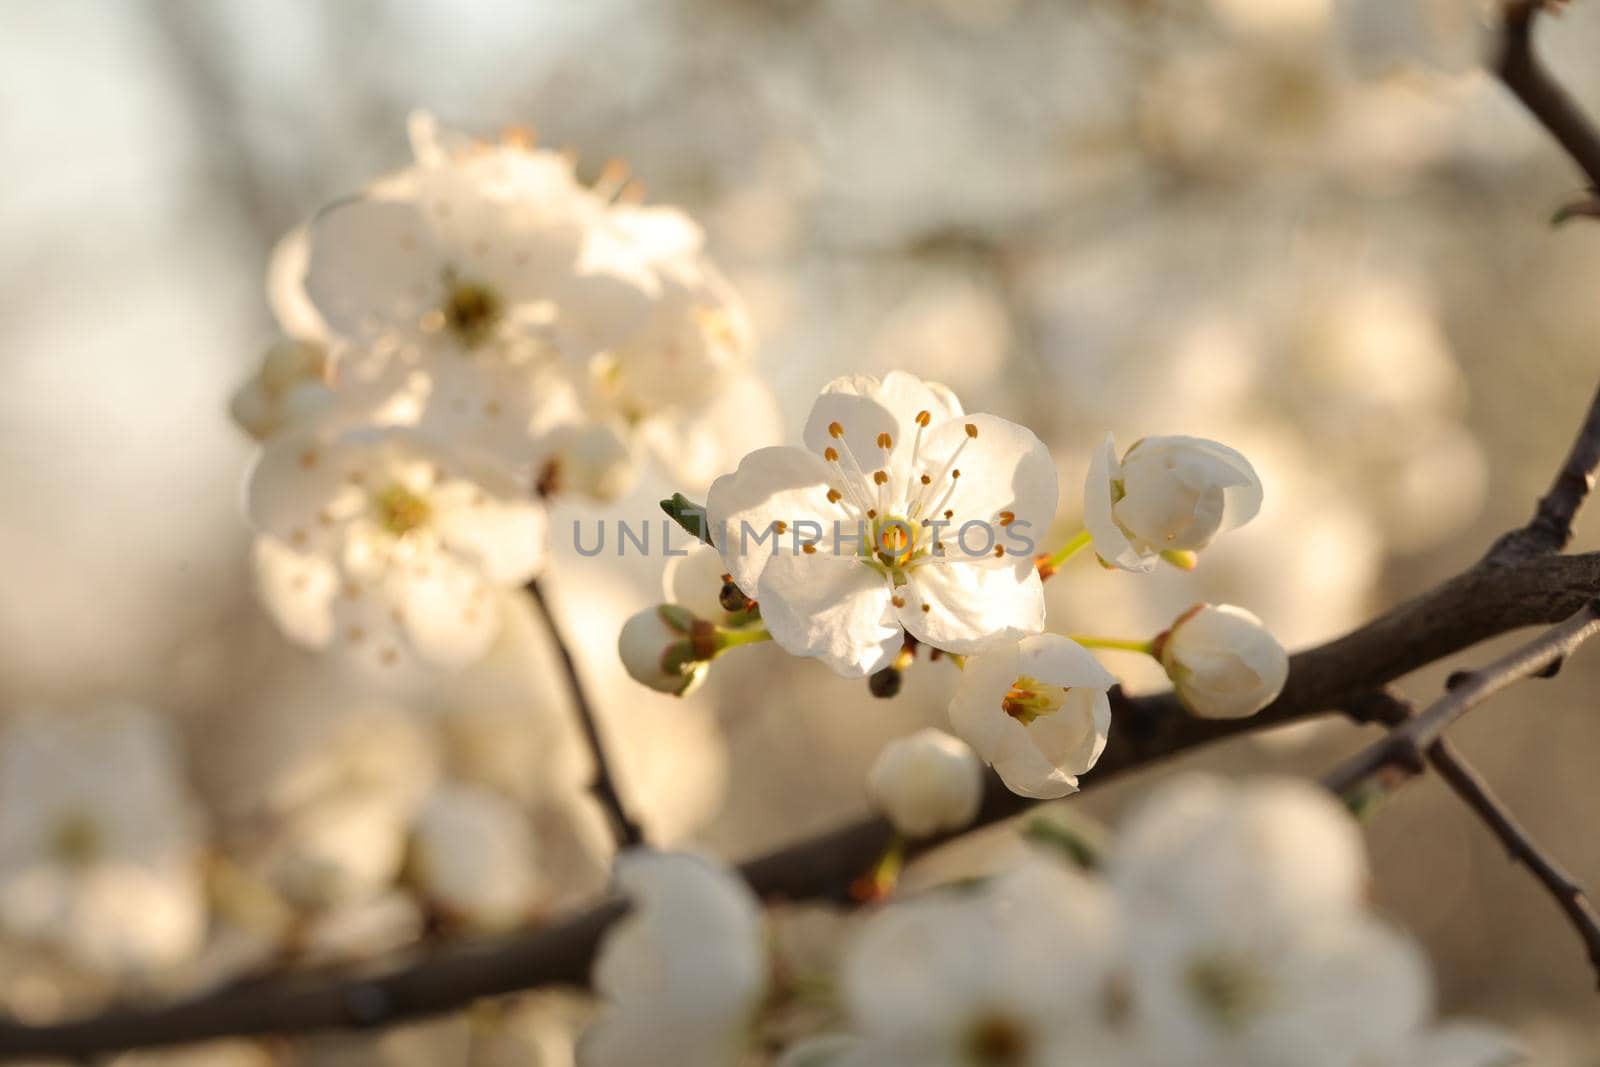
(1226, 925)
(466, 338)
(903, 522)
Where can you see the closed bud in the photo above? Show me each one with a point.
(1223, 662)
(926, 783)
(658, 647)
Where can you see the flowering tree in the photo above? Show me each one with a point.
(479, 338)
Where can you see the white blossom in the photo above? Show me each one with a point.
(1166, 494)
(379, 543)
(99, 852)
(684, 971)
(472, 855)
(1223, 661)
(899, 514)
(1012, 974)
(1037, 711)
(290, 388)
(926, 783)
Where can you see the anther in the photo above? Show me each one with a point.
(885, 441)
(972, 429)
(1007, 518)
(830, 454)
(880, 477)
(926, 479)
(835, 430)
(923, 418)
(834, 495)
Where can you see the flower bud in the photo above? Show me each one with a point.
(1167, 495)
(926, 783)
(661, 648)
(1223, 661)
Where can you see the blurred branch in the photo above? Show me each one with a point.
(1519, 68)
(604, 783)
(1394, 710)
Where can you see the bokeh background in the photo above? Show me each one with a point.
(1313, 229)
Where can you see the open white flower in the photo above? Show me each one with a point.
(472, 856)
(684, 970)
(1167, 494)
(926, 782)
(1012, 975)
(899, 514)
(1037, 710)
(380, 544)
(99, 856)
(1223, 661)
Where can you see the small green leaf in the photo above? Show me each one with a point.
(686, 513)
(1082, 844)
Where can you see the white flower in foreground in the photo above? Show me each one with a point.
(1223, 661)
(98, 853)
(926, 783)
(1167, 494)
(1200, 844)
(1246, 936)
(1011, 975)
(472, 856)
(382, 545)
(1037, 711)
(291, 387)
(660, 649)
(684, 971)
(899, 513)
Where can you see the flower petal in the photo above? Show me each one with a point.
(782, 484)
(1005, 470)
(834, 608)
(961, 607)
(1110, 543)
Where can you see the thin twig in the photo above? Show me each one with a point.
(1394, 710)
(1568, 894)
(604, 783)
(1405, 747)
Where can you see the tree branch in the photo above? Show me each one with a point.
(604, 783)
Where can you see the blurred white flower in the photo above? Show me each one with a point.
(926, 782)
(1037, 711)
(1454, 1043)
(1013, 973)
(1223, 661)
(99, 851)
(290, 388)
(341, 849)
(359, 930)
(1281, 849)
(1167, 494)
(383, 546)
(472, 856)
(899, 513)
(1246, 937)
(684, 971)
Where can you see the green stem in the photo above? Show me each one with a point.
(727, 639)
(1079, 541)
(1120, 644)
